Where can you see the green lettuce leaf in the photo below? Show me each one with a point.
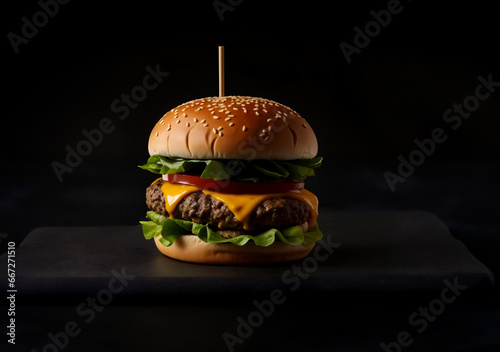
(170, 229)
(237, 170)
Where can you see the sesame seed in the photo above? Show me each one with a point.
(264, 110)
(269, 120)
(244, 128)
(231, 124)
(230, 115)
(257, 113)
(227, 119)
(270, 128)
(221, 134)
(219, 128)
(157, 134)
(203, 121)
(214, 130)
(205, 124)
(245, 110)
(177, 121)
(184, 115)
(187, 124)
(304, 125)
(216, 117)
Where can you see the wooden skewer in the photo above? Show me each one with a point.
(221, 71)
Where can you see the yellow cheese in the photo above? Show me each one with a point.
(241, 205)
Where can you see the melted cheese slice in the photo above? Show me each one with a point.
(241, 205)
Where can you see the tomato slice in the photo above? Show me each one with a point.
(236, 187)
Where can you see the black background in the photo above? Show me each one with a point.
(365, 113)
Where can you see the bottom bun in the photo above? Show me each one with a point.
(189, 248)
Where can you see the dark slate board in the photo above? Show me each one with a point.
(367, 251)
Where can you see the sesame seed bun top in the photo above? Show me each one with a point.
(233, 127)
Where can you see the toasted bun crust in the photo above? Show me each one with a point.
(233, 127)
(190, 248)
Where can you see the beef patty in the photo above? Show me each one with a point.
(204, 209)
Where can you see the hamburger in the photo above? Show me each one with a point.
(231, 189)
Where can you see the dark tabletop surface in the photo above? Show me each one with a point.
(375, 274)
